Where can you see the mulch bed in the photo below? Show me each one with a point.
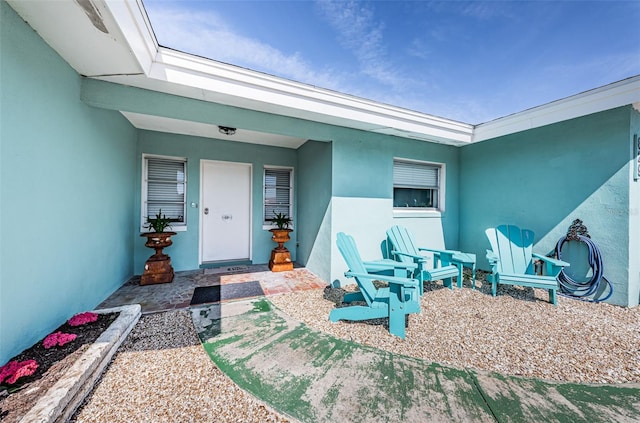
(17, 399)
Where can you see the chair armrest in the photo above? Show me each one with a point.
(445, 256)
(386, 264)
(553, 261)
(413, 256)
(436, 251)
(391, 279)
(492, 257)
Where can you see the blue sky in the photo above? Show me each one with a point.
(469, 61)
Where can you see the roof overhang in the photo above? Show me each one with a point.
(610, 96)
(112, 40)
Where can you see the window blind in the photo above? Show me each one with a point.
(415, 175)
(277, 192)
(166, 188)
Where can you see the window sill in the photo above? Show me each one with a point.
(409, 213)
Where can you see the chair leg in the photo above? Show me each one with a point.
(396, 312)
(460, 275)
(494, 288)
(473, 276)
(448, 282)
(553, 297)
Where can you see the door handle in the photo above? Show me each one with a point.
(227, 217)
(206, 210)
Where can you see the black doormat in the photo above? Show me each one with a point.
(214, 294)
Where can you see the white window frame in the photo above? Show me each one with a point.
(175, 227)
(267, 224)
(423, 211)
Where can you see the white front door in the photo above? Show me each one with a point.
(225, 211)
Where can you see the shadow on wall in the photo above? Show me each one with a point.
(539, 179)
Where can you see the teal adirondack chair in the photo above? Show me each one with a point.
(511, 259)
(396, 301)
(405, 250)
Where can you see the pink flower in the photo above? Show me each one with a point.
(58, 338)
(82, 318)
(14, 370)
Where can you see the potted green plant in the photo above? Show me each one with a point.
(158, 267)
(159, 223)
(281, 220)
(280, 256)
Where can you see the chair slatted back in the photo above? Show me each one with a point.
(402, 241)
(349, 250)
(514, 247)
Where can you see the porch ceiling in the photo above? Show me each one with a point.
(179, 126)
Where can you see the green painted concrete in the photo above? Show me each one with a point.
(67, 178)
(525, 400)
(314, 377)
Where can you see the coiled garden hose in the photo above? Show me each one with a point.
(582, 290)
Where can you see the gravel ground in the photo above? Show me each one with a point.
(518, 332)
(162, 374)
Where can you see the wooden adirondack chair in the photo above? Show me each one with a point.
(395, 302)
(511, 258)
(405, 250)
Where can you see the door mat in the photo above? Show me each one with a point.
(226, 269)
(217, 293)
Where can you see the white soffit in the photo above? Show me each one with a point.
(198, 129)
(83, 32)
(203, 79)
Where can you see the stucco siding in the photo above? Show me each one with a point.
(65, 192)
(634, 217)
(314, 195)
(545, 178)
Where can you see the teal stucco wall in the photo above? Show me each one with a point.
(185, 249)
(634, 212)
(67, 177)
(544, 178)
(314, 197)
(362, 200)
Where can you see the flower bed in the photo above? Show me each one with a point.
(49, 390)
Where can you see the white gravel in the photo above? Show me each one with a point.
(518, 332)
(162, 374)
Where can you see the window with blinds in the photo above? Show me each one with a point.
(416, 185)
(278, 193)
(165, 188)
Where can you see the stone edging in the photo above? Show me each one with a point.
(62, 399)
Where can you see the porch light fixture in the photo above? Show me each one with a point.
(227, 130)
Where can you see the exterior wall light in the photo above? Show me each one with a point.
(227, 130)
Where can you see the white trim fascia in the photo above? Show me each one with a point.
(196, 77)
(132, 19)
(235, 86)
(599, 99)
(213, 81)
